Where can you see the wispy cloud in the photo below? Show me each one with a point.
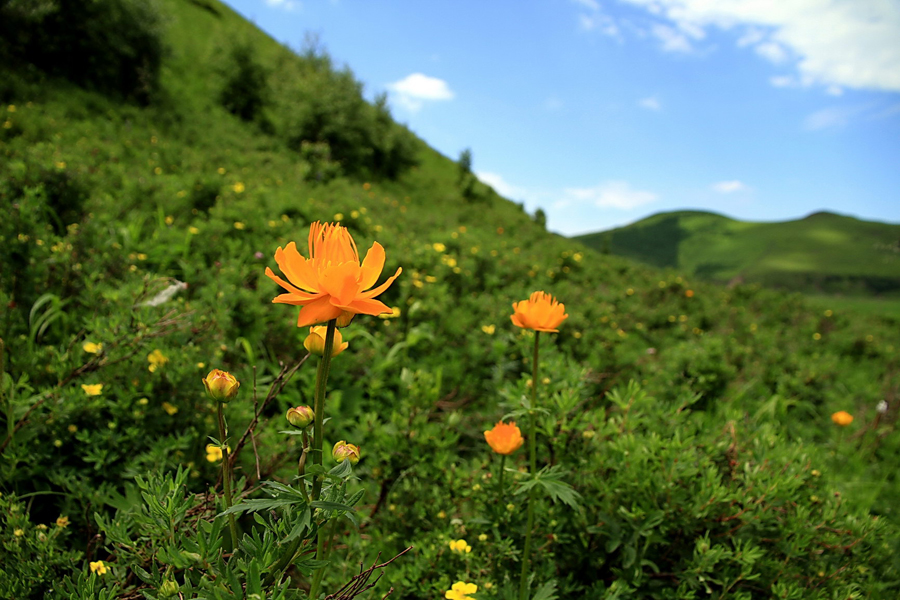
(594, 19)
(500, 185)
(414, 90)
(843, 43)
(610, 194)
(729, 187)
(830, 118)
(651, 103)
(283, 4)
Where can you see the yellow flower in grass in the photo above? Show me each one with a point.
(62, 522)
(315, 341)
(504, 438)
(541, 312)
(214, 452)
(331, 283)
(92, 389)
(92, 347)
(842, 418)
(98, 567)
(460, 546)
(169, 408)
(461, 591)
(156, 360)
(488, 329)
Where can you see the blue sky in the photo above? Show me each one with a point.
(602, 112)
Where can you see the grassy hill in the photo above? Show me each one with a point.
(686, 427)
(823, 253)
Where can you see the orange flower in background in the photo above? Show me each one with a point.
(331, 283)
(842, 418)
(541, 312)
(504, 438)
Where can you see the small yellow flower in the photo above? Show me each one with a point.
(92, 347)
(156, 360)
(395, 312)
(817, 336)
(221, 385)
(460, 546)
(19, 532)
(61, 165)
(439, 247)
(144, 401)
(238, 225)
(98, 567)
(461, 591)
(315, 341)
(62, 521)
(238, 187)
(193, 230)
(483, 537)
(92, 389)
(343, 451)
(442, 515)
(72, 428)
(169, 408)
(170, 219)
(221, 170)
(338, 216)
(842, 418)
(214, 452)
(11, 108)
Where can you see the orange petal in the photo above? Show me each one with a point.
(368, 306)
(383, 286)
(318, 311)
(292, 289)
(372, 266)
(341, 283)
(297, 268)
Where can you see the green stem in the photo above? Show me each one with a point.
(319, 409)
(301, 465)
(320, 574)
(526, 555)
(226, 475)
(500, 479)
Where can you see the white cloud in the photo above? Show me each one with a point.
(651, 103)
(829, 118)
(672, 40)
(610, 194)
(772, 51)
(847, 43)
(500, 185)
(783, 81)
(413, 90)
(589, 4)
(729, 187)
(282, 4)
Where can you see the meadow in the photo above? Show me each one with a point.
(679, 439)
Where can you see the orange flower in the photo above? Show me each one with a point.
(842, 418)
(541, 312)
(331, 283)
(504, 438)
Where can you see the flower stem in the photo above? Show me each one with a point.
(319, 410)
(526, 555)
(226, 475)
(316, 452)
(500, 479)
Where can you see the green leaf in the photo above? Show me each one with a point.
(546, 591)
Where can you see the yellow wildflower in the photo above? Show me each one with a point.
(98, 567)
(92, 389)
(92, 347)
(460, 546)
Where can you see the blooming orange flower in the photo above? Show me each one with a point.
(331, 283)
(541, 312)
(842, 418)
(504, 438)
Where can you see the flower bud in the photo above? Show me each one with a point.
(315, 341)
(169, 588)
(343, 451)
(221, 386)
(301, 416)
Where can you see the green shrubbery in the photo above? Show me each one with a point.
(692, 421)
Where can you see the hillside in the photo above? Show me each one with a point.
(684, 438)
(822, 253)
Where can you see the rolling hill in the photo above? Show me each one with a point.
(821, 253)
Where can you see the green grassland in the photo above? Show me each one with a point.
(687, 424)
(822, 253)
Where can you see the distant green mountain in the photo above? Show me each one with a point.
(821, 253)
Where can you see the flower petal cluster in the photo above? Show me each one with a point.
(461, 590)
(98, 567)
(343, 451)
(214, 452)
(331, 283)
(221, 386)
(300, 416)
(504, 438)
(92, 389)
(541, 312)
(842, 418)
(92, 347)
(460, 546)
(315, 341)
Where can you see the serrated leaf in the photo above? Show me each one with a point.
(326, 505)
(546, 591)
(260, 504)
